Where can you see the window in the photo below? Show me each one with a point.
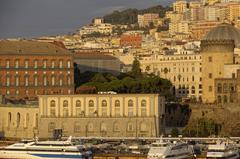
(130, 127)
(117, 108)
(143, 108)
(35, 64)
(209, 88)
(231, 88)
(45, 80)
(69, 80)
(7, 63)
(104, 108)
(26, 80)
(130, 108)
(26, 63)
(225, 99)
(7, 81)
(193, 90)
(78, 108)
(90, 127)
(60, 81)
(53, 64)
(61, 64)
(9, 118)
(143, 127)
(116, 127)
(219, 99)
(77, 127)
(44, 63)
(103, 127)
(51, 126)
(16, 63)
(210, 75)
(225, 88)
(209, 59)
(65, 108)
(16, 80)
(53, 80)
(52, 108)
(69, 64)
(91, 107)
(219, 88)
(35, 79)
(18, 119)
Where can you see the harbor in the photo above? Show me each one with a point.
(125, 148)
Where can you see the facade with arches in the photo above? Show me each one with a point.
(102, 114)
(19, 121)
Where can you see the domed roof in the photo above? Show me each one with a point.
(224, 32)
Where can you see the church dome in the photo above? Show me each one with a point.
(224, 32)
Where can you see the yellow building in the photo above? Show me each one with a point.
(217, 51)
(183, 70)
(233, 11)
(180, 6)
(118, 115)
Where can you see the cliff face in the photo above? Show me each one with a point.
(226, 116)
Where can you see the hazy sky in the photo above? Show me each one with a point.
(32, 18)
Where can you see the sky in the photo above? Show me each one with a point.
(34, 18)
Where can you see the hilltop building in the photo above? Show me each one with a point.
(218, 52)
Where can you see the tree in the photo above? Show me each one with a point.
(136, 70)
(174, 132)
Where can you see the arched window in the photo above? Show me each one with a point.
(65, 108)
(53, 80)
(52, 108)
(68, 64)
(143, 108)
(69, 80)
(91, 107)
(51, 126)
(60, 63)
(117, 108)
(225, 88)
(35, 80)
(9, 118)
(130, 127)
(26, 120)
(225, 99)
(130, 107)
(143, 127)
(116, 127)
(90, 127)
(219, 88)
(77, 127)
(104, 108)
(103, 127)
(36, 121)
(60, 81)
(219, 99)
(78, 108)
(45, 80)
(231, 88)
(18, 119)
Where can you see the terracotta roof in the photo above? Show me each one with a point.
(93, 55)
(30, 47)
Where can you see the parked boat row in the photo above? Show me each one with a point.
(69, 149)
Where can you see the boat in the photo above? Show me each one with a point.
(223, 150)
(45, 149)
(168, 150)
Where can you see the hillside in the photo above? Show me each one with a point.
(129, 16)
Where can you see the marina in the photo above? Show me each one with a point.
(171, 148)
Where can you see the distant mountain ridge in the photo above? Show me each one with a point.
(129, 16)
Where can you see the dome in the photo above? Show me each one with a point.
(224, 32)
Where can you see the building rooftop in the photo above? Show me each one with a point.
(224, 32)
(30, 47)
(93, 55)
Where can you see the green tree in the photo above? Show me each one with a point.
(174, 132)
(136, 70)
(99, 78)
